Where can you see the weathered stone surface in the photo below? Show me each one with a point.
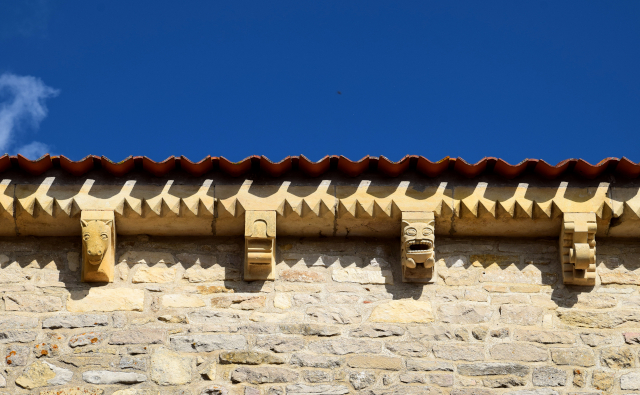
(17, 336)
(282, 301)
(170, 368)
(109, 377)
(521, 314)
(421, 365)
(281, 343)
(618, 357)
(106, 299)
(17, 322)
(630, 381)
(464, 313)
(504, 382)
(334, 315)
(362, 276)
(413, 390)
(346, 346)
(214, 390)
(573, 356)
(458, 352)
(249, 358)
(146, 274)
(579, 378)
(597, 319)
(374, 362)
(207, 343)
(310, 329)
(537, 391)
(518, 352)
(548, 376)
(84, 361)
(42, 374)
(361, 380)
(262, 375)
(85, 339)
(493, 369)
(304, 389)
(146, 336)
(595, 339)
(545, 337)
(602, 380)
(632, 337)
(316, 361)
(198, 274)
(75, 321)
(240, 302)
(32, 303)
(16, 355)
(408, 349)
(135, 391)
(402, 311)
(303, 276)
(129, 362)
(178, 301)
(377, 330)
(80, 391)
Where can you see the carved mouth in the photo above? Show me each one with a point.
(419, 246)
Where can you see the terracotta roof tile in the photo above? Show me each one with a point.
(623, 167)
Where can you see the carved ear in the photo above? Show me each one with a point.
(84, 223)
(405, 223)
(109, 222)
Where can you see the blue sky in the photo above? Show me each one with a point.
(513, 79)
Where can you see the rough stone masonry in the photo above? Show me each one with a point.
(179, 319)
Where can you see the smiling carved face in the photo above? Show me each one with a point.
(96, 236)
(417, 243)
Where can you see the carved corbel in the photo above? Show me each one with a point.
(578, 248)
(417, 249)
(260, 245)
(98, 246)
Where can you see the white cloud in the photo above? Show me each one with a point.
(22, 108)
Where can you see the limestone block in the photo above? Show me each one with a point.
(374, 362)
(106, 299)
(362, 379)
(345, 346)
(84, 339)
(146, 336)
(109, 377)
(407, 349)
(42, 374)
(304, 276)
(177, 301)
(262, 375)
(362, 276)
(596, 319)
(32, 303)
(153, 275)
(282, 301)
(316, 361)
(78, 390)
(630, 381)
(518, 352)
(170, 368)
(75, 321)
(207, 343)
(249, 358)
(458, 352)
(464, 313)
(334, 315)
(573, 356)
(525, 315)
(280, 344)
(377, 330)
(402, 311)
(325, 389)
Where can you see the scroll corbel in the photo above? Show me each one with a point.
(260, 245)
(578, 248)
(98, 246)
(417, 246)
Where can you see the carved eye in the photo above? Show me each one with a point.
(86, 237)
(410, 231)
(427, 231)
(104, 236)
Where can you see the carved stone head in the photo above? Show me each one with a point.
(417, 243)
(96, 238)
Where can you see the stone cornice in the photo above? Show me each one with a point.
(317, 207)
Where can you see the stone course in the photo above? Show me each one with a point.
(178, 320)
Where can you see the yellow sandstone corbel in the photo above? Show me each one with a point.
(98, 246)
(417, 246)
(578, 248)
(260, 245)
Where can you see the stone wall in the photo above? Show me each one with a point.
(179, 320)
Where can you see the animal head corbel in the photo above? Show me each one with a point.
(98, 246)
(417, 246)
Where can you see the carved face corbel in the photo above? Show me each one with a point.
(578, 248)
(98, 246)
(417, 246)
(260, 245)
